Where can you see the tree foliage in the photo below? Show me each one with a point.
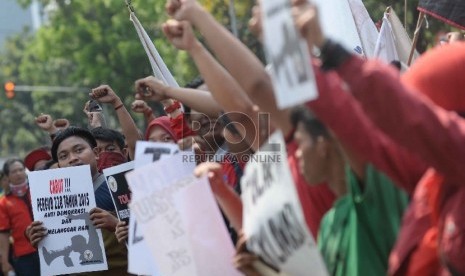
(88, 43)
(85, 44)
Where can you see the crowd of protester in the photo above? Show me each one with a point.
(376, 159)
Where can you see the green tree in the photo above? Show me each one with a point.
(85, 44)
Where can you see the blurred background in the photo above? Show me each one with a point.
(62, 48)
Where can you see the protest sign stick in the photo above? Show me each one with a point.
(421, 18)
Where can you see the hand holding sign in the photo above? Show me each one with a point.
(103, 219)
(306, 20)
(243, 260)
(35, 232)
(121, 232)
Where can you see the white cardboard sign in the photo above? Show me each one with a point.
(273, 219)
(62, 199)
(287, 53)
(140, 259)
(171, 204)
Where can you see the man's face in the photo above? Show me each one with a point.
(208, 129)
(17, 173)
(202, 124)
(105, 146)
(310, 161)
(75, 151)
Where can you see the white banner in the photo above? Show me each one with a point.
(287, 53)
(366, 28)
(187, 233)
(62, 199)
(338, 24)
(403, 42)
(159, 67)
(386, 44)
(273, 219)
(140, 258)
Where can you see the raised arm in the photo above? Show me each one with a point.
(224, 89)
(409, 119)
(105, 94)
(152, 89)
(228, 200)
(140, 106)
(413, 121)
(361, 139)
(240, 62)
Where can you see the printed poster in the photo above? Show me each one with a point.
(287, 53)
(62, 200)
(119, 188)
(273, 220)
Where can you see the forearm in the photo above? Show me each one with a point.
(231, 205)
(227, 92)
(128, 127)
(412, 121)
(243, 66)
(4, 246)
(360, 138)
(201, 101)
(148, 115)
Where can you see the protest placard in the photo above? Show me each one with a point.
(149, 152)
(273, 220)
(287, 53)
(185, 226)
(62, 199)
(140, 258)
(119, 188)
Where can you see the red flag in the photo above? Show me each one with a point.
(450, 11)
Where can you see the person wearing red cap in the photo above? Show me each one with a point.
(15, 216)
(37, 159)
(159, 130)
(419, 112)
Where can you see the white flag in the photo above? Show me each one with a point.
(366, 28)
(158, 65)
(386, 44)
(403, 42)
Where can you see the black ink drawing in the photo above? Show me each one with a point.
(90, 250)
(290, 50)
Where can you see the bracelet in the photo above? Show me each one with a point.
(173, 107)
(119, 106)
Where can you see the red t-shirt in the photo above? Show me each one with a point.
(316, 200)
(230, 171)
(15, 216)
